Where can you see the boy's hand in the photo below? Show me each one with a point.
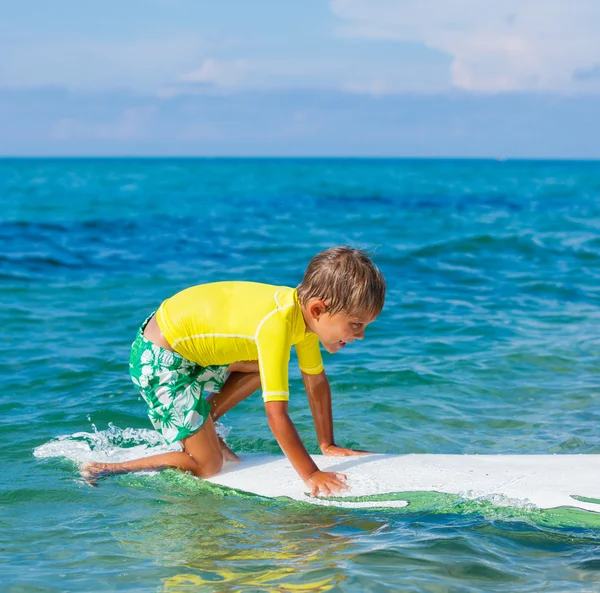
(335, 451)
(326, 483)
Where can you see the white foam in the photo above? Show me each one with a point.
(112, 445)
(106, 446)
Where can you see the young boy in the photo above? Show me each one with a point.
(234, 337)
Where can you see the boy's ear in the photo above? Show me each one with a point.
(317, 308)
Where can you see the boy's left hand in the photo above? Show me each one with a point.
(335, 451)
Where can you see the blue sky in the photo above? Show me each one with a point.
(312, 78)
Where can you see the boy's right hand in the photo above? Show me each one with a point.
(326, 483)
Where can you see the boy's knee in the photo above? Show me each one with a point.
(212, 467)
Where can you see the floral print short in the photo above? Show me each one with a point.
(173, 387)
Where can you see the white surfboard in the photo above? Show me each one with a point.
(546, 481)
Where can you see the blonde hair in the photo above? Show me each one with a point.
(346, 280)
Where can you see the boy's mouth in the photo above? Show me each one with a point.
(342, 343)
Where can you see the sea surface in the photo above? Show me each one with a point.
(488, 343)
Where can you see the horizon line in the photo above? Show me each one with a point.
(499, 159)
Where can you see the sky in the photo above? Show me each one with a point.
(375, 78)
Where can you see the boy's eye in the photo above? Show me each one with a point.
(356, 325)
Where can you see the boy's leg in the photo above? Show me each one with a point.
(204, 451)
(201, 455)
(238, 386)
(204, 448)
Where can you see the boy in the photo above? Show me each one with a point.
(246, 330)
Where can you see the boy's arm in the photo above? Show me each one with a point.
(319, 398)
(289, 440)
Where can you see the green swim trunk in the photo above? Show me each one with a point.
(173, 387)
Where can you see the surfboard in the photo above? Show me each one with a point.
(545, 481)
(542, 481)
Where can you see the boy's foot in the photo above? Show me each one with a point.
(228, 454)
(92, 472)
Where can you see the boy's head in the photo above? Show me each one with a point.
(341, 293)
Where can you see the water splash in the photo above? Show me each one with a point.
(111, 445)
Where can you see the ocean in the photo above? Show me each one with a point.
(488, 344)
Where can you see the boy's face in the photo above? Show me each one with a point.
(337, 329)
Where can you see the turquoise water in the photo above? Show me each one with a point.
(488, 344)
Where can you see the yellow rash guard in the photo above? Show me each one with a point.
(225, 322)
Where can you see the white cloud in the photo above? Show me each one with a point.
(221, 73)
(526, 45)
